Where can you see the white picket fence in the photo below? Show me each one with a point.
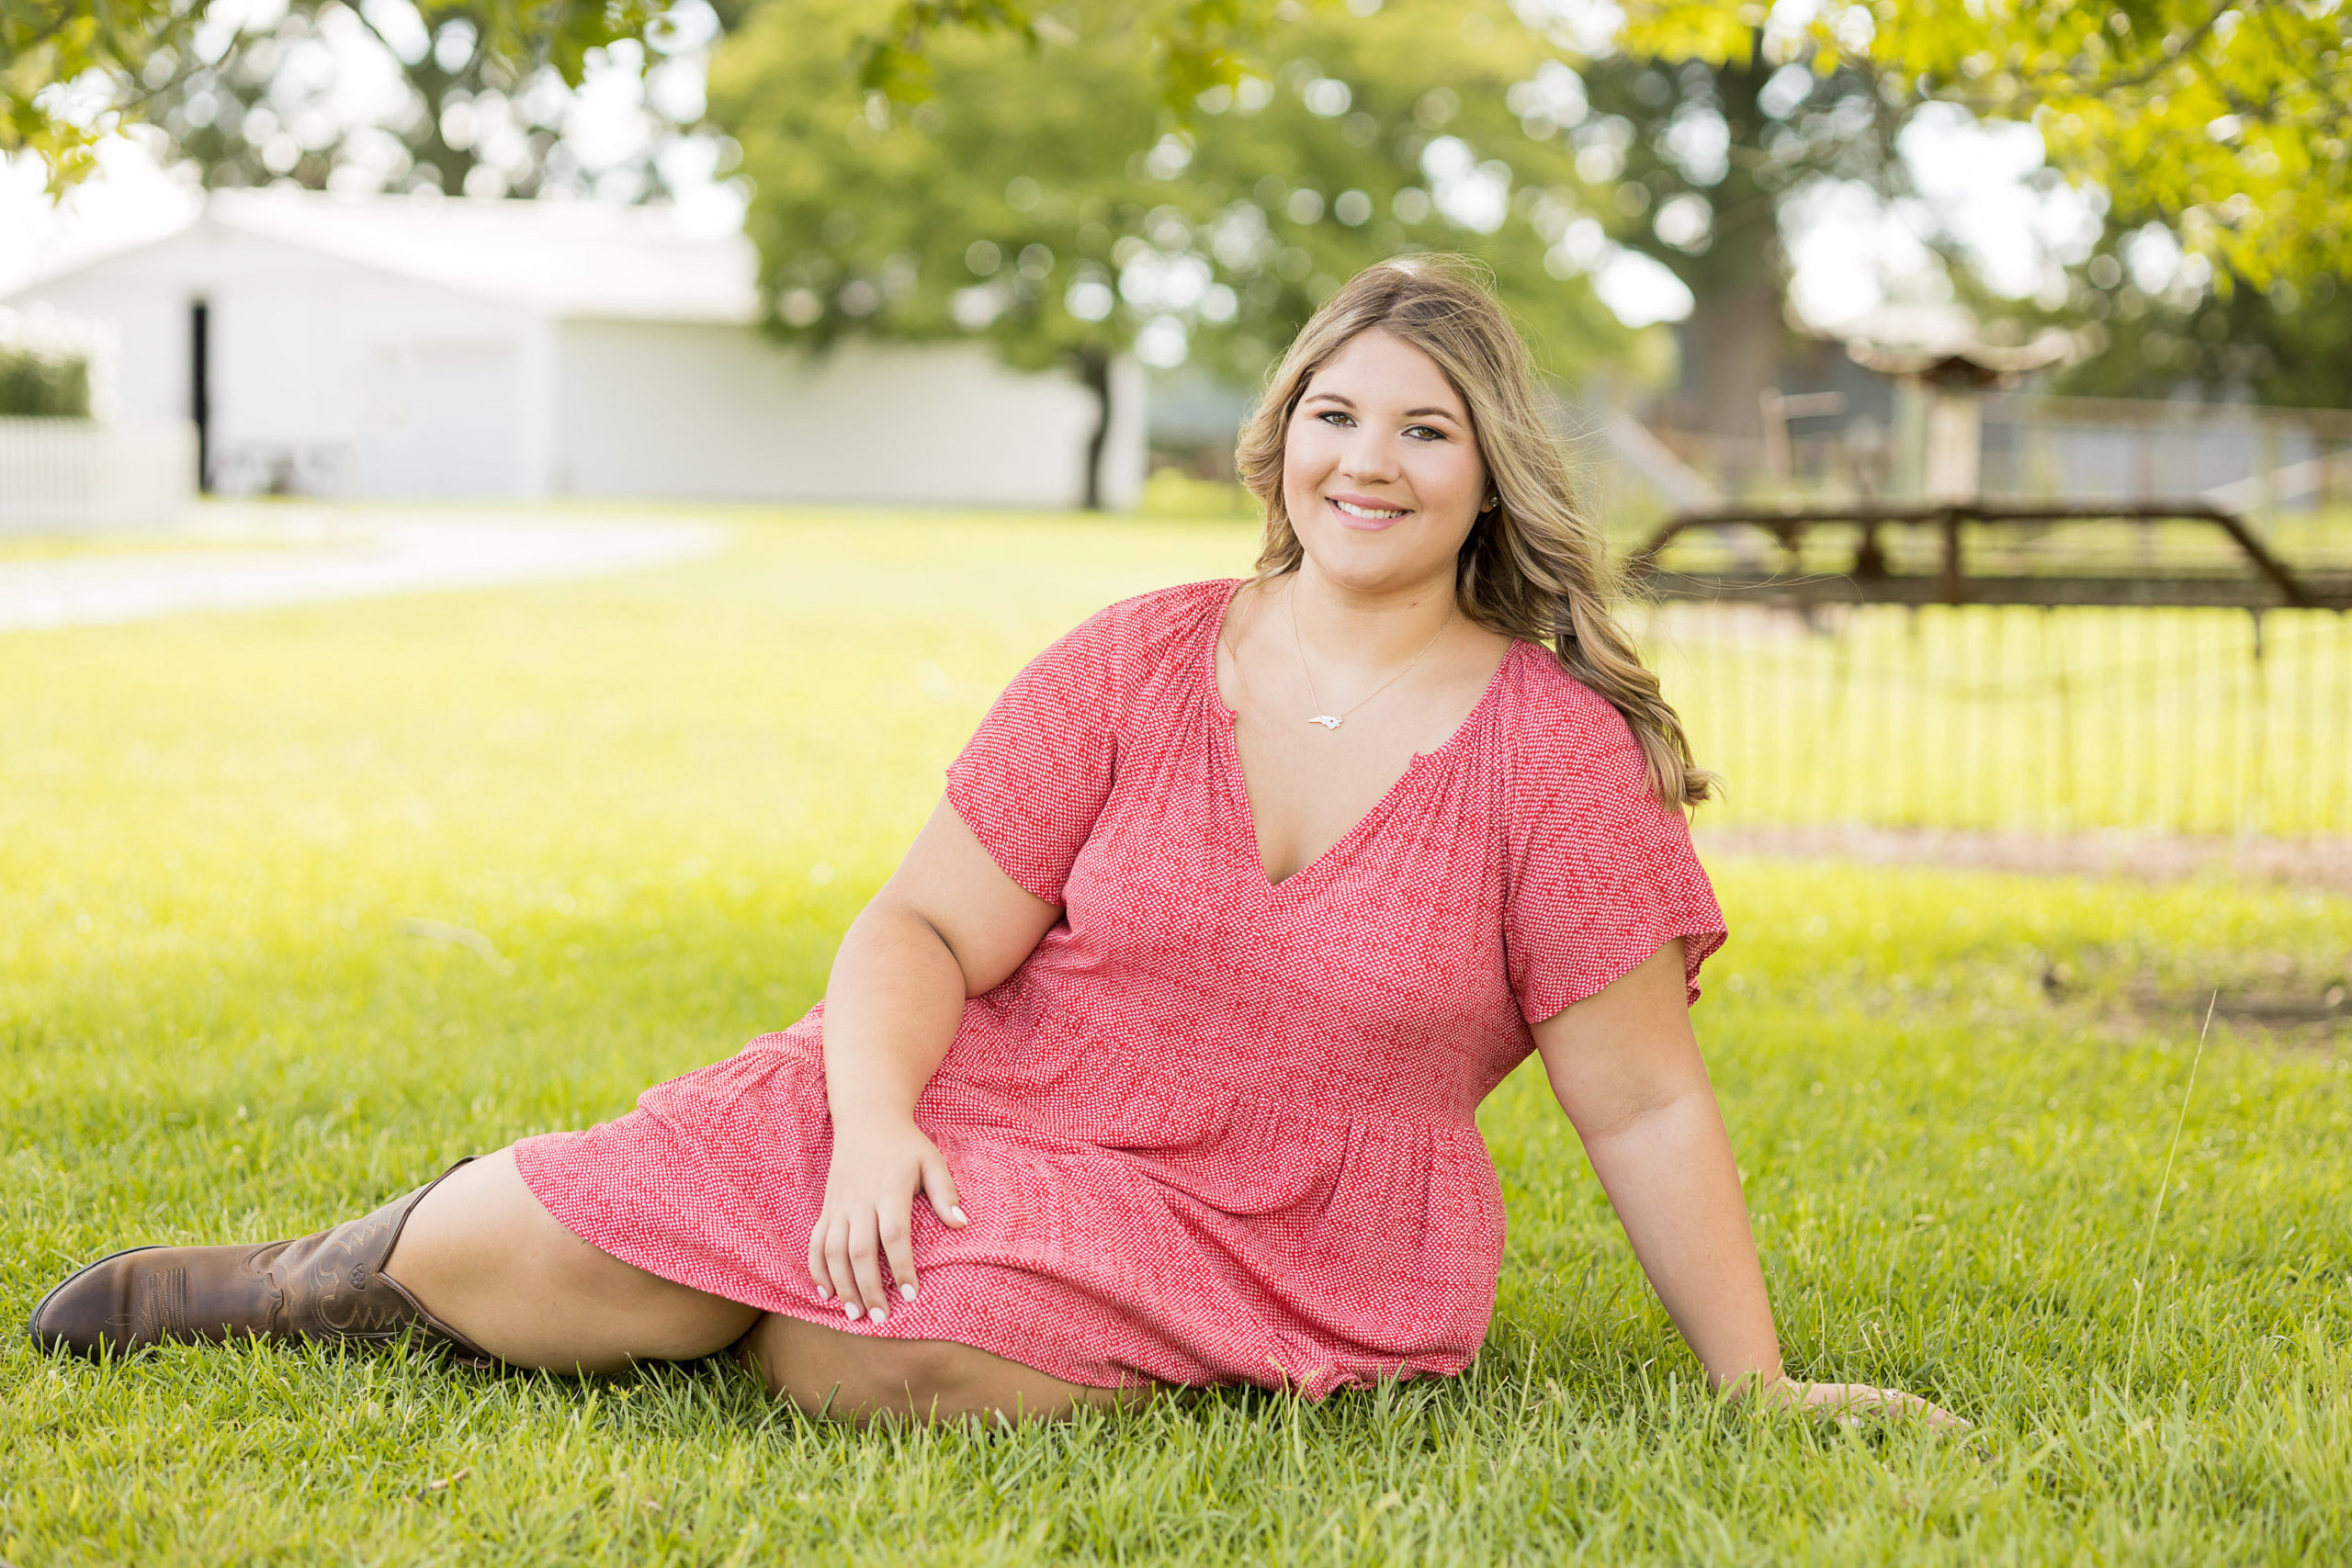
(74, 475)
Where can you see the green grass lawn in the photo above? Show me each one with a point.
(297, 906)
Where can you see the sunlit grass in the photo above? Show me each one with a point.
(296, 907)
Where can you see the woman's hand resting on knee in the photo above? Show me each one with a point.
(869, 1210)
(948, 926)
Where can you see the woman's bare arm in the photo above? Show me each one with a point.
(1625, 1066)
(948, 925)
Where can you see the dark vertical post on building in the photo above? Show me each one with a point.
(199, 399)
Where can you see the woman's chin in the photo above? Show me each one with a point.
(1374, 562)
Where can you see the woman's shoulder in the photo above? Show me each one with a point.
(1143, 627)
(1551, 712)
(1128, 651)
(1569, 756)
(1563, 745)
(1167, 608)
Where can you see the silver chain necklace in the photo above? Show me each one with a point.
(1332, 720)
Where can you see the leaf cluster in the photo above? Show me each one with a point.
(1041, 195)
(2228, 120)
(72, 71)
(2289, 344)
(472, 118)
(1703, 151)
(36, 383)
(1199, 44)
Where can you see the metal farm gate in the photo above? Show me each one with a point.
(1971, 666)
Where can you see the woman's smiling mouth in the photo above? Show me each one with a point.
(1366, 511)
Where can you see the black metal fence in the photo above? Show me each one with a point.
(1991, 716)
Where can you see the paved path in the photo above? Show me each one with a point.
(314, 554)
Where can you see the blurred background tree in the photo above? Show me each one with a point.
(381, 94)
(1687, 132)
(2214, 137)
(73, 71)
(2228, 122)
(2288, 343)
(42, 383)
(1038, 195)
(1706, 159)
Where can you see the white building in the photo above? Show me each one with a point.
(395, 348)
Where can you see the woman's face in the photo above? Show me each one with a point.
(1381, 470)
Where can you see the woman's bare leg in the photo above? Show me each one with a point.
(482, 1254)
(827, 1371)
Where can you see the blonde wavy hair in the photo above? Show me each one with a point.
(1534, 566)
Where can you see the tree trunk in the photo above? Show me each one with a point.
(1731, 345)
(1732, 342)
(1094, 369)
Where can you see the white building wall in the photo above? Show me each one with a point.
(140, 335)
(718, 410)
(321, 371)
(334, 374)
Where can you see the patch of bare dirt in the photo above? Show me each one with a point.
(2324, 864)
(2285, 1005)
(2291, 998)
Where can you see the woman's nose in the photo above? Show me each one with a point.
(1369, 458)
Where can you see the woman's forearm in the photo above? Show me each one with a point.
(892, 1005)
(1668, 1171)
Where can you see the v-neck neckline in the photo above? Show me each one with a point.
(1237, 782)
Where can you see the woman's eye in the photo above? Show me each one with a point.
(1329, 415)
(1425, 431)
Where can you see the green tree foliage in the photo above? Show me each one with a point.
(2227, 121)
(1198, 44)
(2289, 344)
(42, 383)
(73, 71)
(1038, 198)
(276, 102)
(1703, 155)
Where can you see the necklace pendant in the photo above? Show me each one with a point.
(1329, 721)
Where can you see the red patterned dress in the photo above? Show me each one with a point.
(1213, 1129)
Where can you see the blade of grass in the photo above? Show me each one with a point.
(2156, 1213)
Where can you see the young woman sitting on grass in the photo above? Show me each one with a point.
(1177, 1011)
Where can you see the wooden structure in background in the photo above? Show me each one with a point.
(2262, 582)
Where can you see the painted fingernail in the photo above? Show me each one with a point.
(908, 1291)
(851, 1311)
(824, 1292)
(879, 1316)
(957, 1213)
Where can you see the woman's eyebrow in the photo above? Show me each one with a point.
(1410, 413)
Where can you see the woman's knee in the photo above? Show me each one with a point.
(480, 1231)
(850, 1377)
(481, 1252)
(845, 1377)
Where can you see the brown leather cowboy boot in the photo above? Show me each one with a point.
(330, 1285)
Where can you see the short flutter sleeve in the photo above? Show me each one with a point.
(1034, 775)
(1601, 874)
